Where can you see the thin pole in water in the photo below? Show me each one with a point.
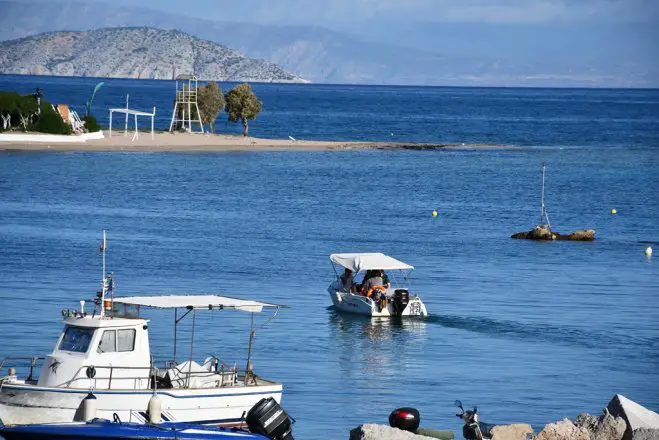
(542, 199)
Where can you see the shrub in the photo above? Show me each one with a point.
(91, 124)
(50, 121)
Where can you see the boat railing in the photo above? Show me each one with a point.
(146, 378)
(24, 365)
(97, 375)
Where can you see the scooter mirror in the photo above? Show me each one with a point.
(459, 404)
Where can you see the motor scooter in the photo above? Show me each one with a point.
(473, 429)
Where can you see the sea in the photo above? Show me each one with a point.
(527, 331)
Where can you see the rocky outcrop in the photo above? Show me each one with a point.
(383, 432)
(604, 427)
(563, 430)
(544, 233)
(133, 53)
(519, 431)
(623, 419)
(636, 416)
(645, 434)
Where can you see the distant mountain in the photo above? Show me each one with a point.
(394, 53)
(133, 53)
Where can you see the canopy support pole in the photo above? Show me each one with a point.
(194, 315)
(248, 368)
(175, 332)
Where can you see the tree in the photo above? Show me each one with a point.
(211, 102)
(24, 109)
(242, 105)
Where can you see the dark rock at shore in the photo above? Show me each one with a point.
(544, 233)
(605, 427)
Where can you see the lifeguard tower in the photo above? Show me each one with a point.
(186, 111)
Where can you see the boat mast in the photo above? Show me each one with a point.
(543, 210)
(103, 245)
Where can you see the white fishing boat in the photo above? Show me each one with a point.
(107, 352)
(379, 299)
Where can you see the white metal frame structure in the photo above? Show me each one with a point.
(185, 103)
(126, 111)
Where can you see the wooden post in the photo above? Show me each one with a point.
(153, 116)
(126, 122)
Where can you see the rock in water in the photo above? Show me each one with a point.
(541, 233)
(583, 235)
(381, 432)
(519, 431)
(564, 430)
(537, 233)
(605, 427)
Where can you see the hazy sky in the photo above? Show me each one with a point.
(343, 12)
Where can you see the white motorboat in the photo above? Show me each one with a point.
(107, 353)
(387, 300)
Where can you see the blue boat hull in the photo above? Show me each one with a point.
(104, 429)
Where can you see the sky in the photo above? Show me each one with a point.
(341, 13)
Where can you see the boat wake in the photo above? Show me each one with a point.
(546, 333)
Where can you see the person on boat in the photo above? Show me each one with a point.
(347, 280)
(377, 282)
(361, 287)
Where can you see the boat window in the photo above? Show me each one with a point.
(126, 340)
(108, 342)
(76, 339)
(117, 341)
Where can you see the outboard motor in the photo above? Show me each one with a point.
(407, 419)
(400, 301)
(268, 418)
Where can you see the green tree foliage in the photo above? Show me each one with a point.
(91, 124)
(17, 111)
(211, 102)
(242, 105)
(21, 112)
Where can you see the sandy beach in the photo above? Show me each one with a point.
(184, 142)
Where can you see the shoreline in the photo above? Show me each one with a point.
(184, 142)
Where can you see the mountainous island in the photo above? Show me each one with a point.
(138, 52)
(551, 54)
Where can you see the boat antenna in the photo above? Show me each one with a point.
(103, 246)
(544, 217)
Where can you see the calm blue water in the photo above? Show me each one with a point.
(527, 331)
